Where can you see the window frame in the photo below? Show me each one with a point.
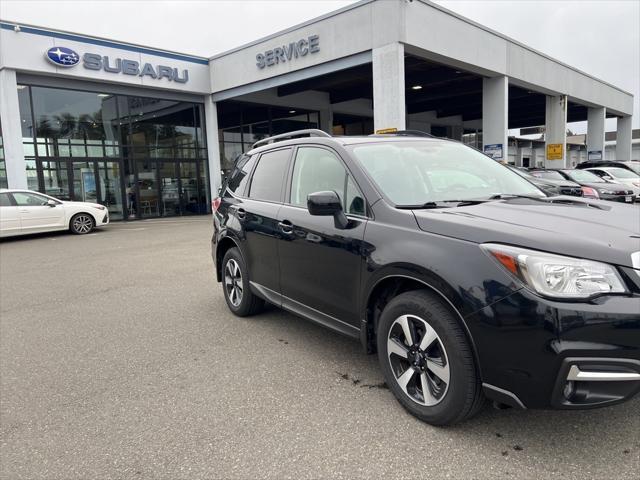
(12, 201)
(285, 177)
(292, 164)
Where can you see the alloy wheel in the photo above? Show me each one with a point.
(418, 360)
(82, 224)
(233, 282)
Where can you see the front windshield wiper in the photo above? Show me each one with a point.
(442, 204)
(502, 196)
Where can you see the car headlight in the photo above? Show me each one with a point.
(99, 207)
(556, 276)
(606, 192)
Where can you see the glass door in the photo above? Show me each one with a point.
(56, 179)
(169, 188)
(84, 182)
(189, 191)
(147, 202)
(110, 189)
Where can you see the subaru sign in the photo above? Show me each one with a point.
(63, 57)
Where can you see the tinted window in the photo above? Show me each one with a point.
(24, 199)
(269, 175)
(318, 170)
(240, 176)
(4, 200)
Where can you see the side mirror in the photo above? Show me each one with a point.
(327, 204)
(52, 203)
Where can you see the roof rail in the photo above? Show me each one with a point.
(312, 132)
(406, 133)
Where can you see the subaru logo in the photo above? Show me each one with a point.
(63, 57)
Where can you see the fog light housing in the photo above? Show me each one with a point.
(569, 390)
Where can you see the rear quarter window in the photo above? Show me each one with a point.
(239, 178)
(267, 182)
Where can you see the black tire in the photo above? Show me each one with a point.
(81, 224)
(244, 302)
(449, 354)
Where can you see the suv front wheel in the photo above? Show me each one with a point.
(235, 284)
(426, 359)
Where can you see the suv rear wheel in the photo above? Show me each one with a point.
(235, 284)
(426, 359)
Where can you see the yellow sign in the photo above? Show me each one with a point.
(554, 151)
(386, 130)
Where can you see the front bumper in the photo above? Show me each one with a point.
(527, 346)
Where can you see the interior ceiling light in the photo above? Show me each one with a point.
(292, 111)
(416, 87)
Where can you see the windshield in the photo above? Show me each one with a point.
(420, 172)
(635, 166)
(621, 173)
(584, 176)
(551, 174)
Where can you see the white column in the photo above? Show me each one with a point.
(326, 119)
(556, 132)
(495, 117)
(389, 110)
(12, 130)
(213, 145)
(595, 133)
(623, 138)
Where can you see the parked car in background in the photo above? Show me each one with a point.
(24, 211)
(550, 186)
(619, 175)
(466, 279)
(592, 185)
(633, 165)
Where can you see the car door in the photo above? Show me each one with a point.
(9, 216)
(320, 264)
(257, 216)
(36, 215)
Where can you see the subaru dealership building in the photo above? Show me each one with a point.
(149, 132)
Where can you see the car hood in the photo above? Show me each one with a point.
(81, 204)
(592, 229)
(557, 183)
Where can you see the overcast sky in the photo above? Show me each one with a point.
(601, 37)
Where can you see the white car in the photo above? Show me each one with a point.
(25, 211)
(619, 175)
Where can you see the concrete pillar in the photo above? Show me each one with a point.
(326, 120)
(595, 133)
(213, 144)
(495, 117)
(389, 110)
(623, 138)
(12, 130)
(556, 132)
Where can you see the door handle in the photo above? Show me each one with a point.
(286, 226)
(241, 212)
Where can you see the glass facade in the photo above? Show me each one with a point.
(242, 124)
(140, 157)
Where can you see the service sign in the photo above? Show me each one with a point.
(67, 58)
(288, 53)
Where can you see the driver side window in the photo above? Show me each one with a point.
(24, 199)
(318, 169)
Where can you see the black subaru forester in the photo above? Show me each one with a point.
(466, 279)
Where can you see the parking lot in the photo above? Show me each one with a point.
(119, 358)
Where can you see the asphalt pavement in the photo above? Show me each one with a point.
(120, 359)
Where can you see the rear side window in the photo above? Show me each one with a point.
(240, 176)
(5, 201)
(268, 177)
